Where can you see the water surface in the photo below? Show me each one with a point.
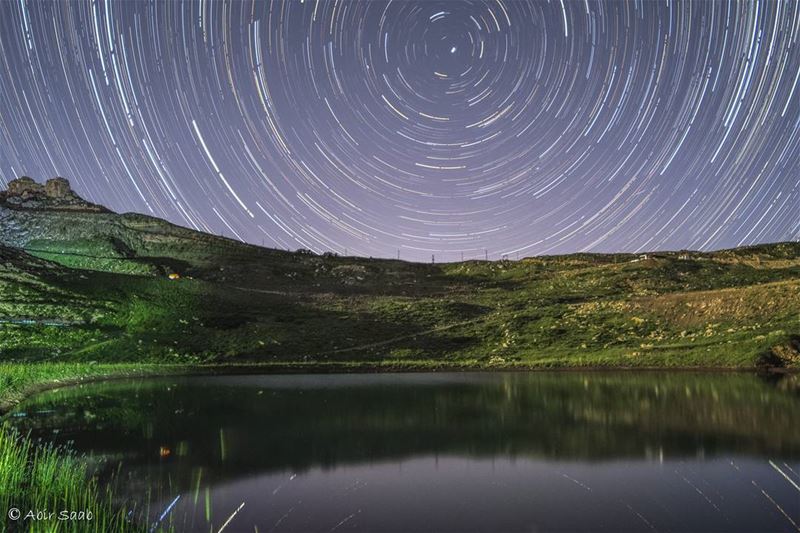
(443, 452)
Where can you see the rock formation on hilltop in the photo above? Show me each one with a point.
(54, 194)
(51, 218)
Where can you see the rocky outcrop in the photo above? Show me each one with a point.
(52, 216)
(58, 188)
(24, 187)
(55, 194)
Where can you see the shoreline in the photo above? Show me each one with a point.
(162, 371)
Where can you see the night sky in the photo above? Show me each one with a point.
(427, 127)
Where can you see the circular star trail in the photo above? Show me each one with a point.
(447, 128)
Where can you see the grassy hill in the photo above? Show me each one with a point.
(95, 286)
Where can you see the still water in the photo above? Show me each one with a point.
(442, 452)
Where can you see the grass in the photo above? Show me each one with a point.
(267, 307)
(93, 254)
(37, 476)
(94, 287)
(43, 479)
(18, 380)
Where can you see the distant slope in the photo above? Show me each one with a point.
(88, 284)
(138, 244)
(109, 235)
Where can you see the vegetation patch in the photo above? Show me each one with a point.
(54, 485)
(108, 288)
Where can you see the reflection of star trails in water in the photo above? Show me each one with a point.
(778, 507)
(785, 476)
(770, 498)
(428, 127)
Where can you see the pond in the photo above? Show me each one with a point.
(559, 451)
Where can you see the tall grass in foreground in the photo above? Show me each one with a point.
(37, 477)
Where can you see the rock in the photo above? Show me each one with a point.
(58, 188)
(789, 352)
(55, 194)
(23, 186)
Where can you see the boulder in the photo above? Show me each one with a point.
(23, 186)
(58, 188)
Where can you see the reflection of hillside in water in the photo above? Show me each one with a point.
(251, 424)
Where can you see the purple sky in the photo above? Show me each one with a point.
(425, 127)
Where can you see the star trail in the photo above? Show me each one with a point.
(417, 127)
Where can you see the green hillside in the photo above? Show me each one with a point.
(90, 285)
